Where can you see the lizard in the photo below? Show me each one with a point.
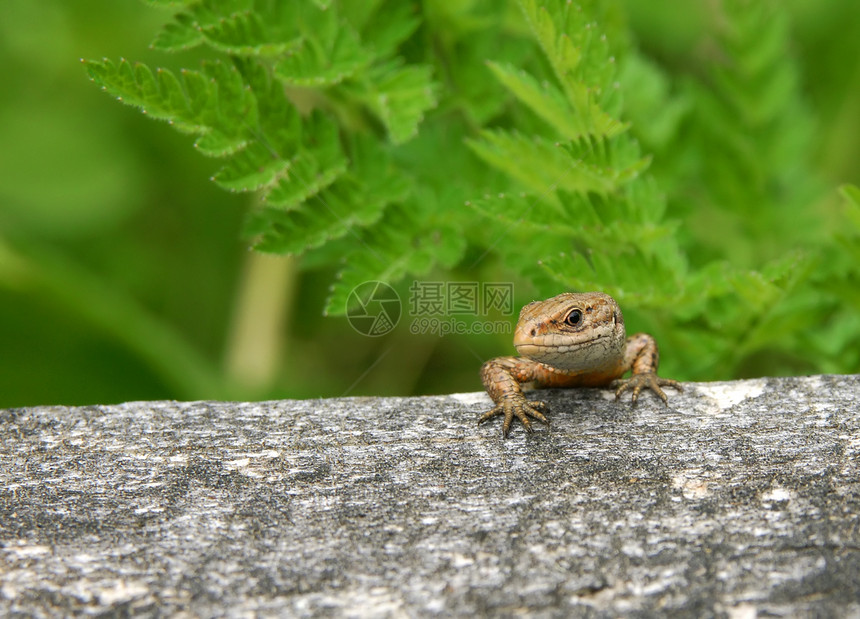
(570, 340)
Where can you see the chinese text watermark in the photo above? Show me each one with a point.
(441, 308)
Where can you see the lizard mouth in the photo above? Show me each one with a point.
(532, 351)
(563, 355)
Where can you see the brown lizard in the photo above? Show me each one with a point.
(571, 340)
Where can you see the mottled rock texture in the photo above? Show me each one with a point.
(738, 498)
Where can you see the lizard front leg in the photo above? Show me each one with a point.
(502, 377)
(641, 356)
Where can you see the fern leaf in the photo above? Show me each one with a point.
(582, 221)
(306, 176)
(624, 274)
(252, 168)
(332, 213)
(655, 112)
(135, 85)
(213, 143)
(611, 162)
(399, 95)
(389, 27)
(233, 27)
(199, 104)
(236, 104)
(329, 53)
(355, 200)
(178, 35)
(387, 255)
(296, 231)
(246, 34)
(275, 113)
(527, 212)
(552, 106)
(313, 166)
(578, 53)
(550, 25)
(186, 29)
(535, 163)
(579, 166)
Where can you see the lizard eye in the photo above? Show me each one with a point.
(574, 318)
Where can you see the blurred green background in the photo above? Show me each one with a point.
(122, 272)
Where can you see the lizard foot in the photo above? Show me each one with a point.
(638, 382)
(520, 408)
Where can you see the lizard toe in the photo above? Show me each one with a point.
(498, 410)
(539, 405)
(536, 410)
(520, 408)
(646, 380)
(523, 419)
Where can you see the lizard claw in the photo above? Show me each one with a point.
(638, 382)
(520, 408)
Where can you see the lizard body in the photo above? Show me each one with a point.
(571, 340)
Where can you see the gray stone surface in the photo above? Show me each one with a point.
(739, 498)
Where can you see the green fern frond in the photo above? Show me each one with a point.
(598, 215)
(313, 163)
(213, 143)
(756, 128)
(236, 104)
(344, 207)
(399, 95)
(198, 103)
(656, 112)
(578, 52)
(186, 29)
(386, 254)
(611, 163)
(252, 168)
(329, 53)
(586, 165)
(757, 80)
(633, 278)
(584, 218)
(333, 204)
(234, 27)
(306, 175)
(249, 34)
(552, 106)
(312, 191)
(323, 110)
(386, 28)
(178, 35)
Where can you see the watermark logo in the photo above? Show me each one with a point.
(373, 308)
(440, 308)
(461, 298)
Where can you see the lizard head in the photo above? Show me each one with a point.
(572, 331)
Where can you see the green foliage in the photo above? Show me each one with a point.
(751, 115)
(319, 174)
(479, 139)
(588, 195)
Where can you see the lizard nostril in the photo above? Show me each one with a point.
(533, 332)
